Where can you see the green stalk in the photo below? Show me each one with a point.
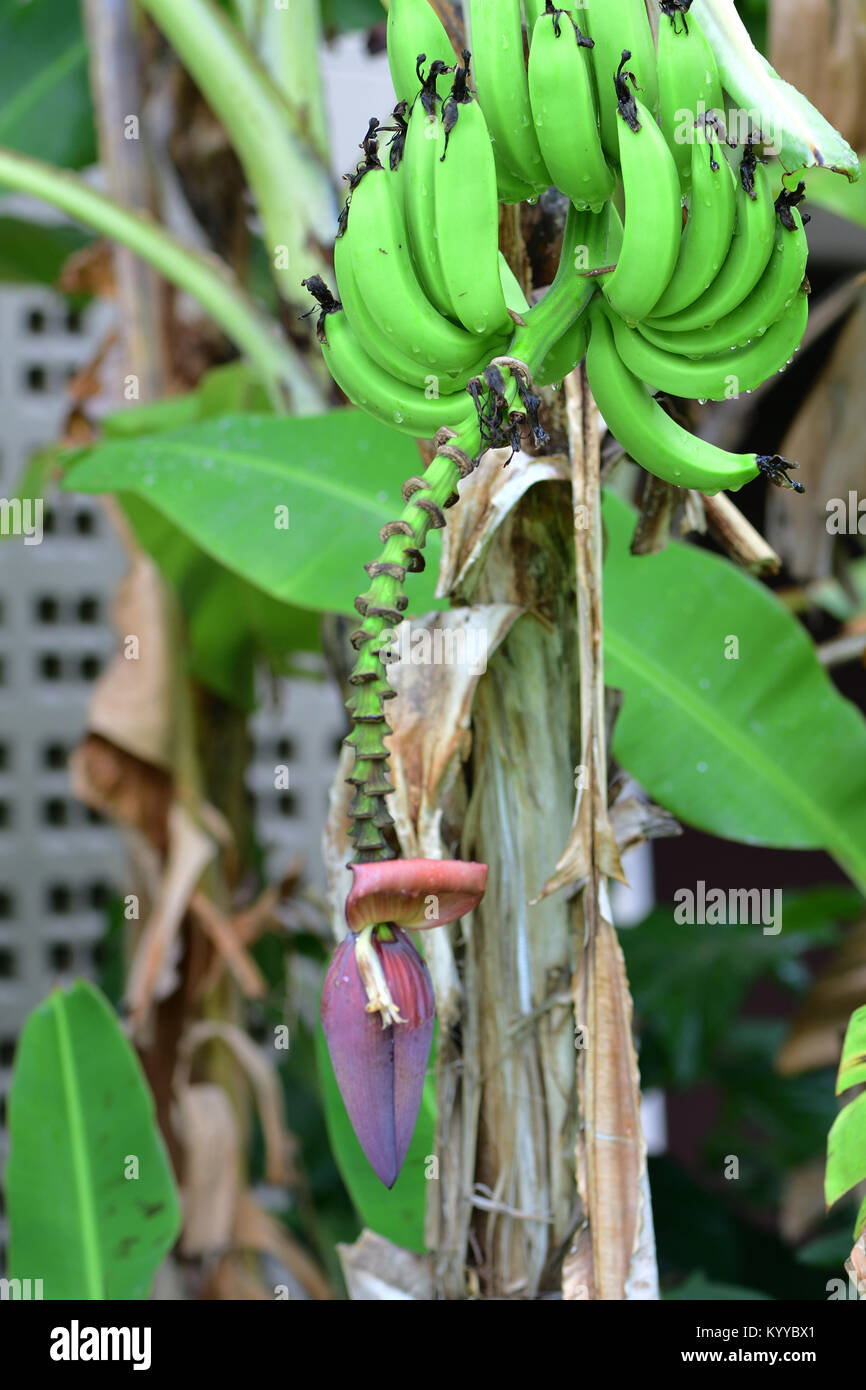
(382, 606)
(206, 278)
(384, 603)
(292, 189)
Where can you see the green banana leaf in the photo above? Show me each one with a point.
(759, 748)
(847, 1139)
(89, 1191)
(45, 106)
(221, 482)
(231, 625)
(846, 1142)
(688, 1008)
(699, 1287)
(232, 389)
(800, 134)
(852, 1068)
(32, 253)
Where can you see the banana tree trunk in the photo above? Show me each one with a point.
(540, 1185)
(508, 1096)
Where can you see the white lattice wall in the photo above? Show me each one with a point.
(59, 863)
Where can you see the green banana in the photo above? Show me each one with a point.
(775, 290)
(706, 237)
(374, 390)
(425, 142)
(380, 347)
(415, 28)
(512, 289)
(726, 374)
(466, 230)
(503, 90)
(746, 260)
(615, 25)
(511, 189)
(647, 432)
(386, 279)
(653, 213)
(564, 109)
(689, 87)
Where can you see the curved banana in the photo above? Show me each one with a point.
(723, 376)
(746, 260)
(615, 25)
(503, 90)
(374, 390)
(653, 212)
(511, 189)
(386, 279)
(466, 223)
(562, 95)
(775, 290)
(415, 28)
(647, 433)
(706, 237)
(425, 142)
(689, 87)
(380, 347)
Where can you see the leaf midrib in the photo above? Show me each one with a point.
(750, 752)
(81, 1170)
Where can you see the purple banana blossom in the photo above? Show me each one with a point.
(377, 1000)
(379, 1059)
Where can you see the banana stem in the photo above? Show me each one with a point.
(206, 278)
(384, 603)
(382, 607)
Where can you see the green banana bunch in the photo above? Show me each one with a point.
(652, 437)
(714, 376)
(706, 237)
(680, 270)
(779, 282)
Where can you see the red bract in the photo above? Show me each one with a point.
(414, 893)
(377, 1013)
